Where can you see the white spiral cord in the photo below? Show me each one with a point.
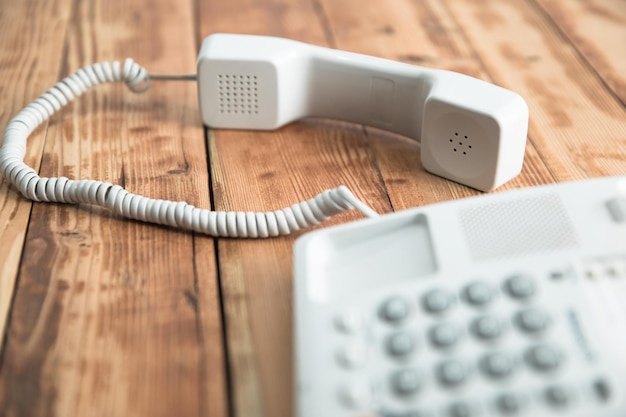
(121, 202)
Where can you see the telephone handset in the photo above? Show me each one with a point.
(470, 131)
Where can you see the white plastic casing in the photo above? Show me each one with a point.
(569, 240)
(471, 131)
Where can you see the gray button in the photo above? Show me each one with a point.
(601, 389)
(557, 396)
(520, 286)
(497, 365)
(437, 301)
(444, 335)
(543, 358)
(452, 373)
(406, 382)
(532, 320)
(461, 409)
(394, 310)
(509, 404)
(487, 327)
(400, 344)
(617, 209)
(478, 293)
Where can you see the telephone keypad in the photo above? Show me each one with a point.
(514, 338)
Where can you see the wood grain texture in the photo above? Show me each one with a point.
(577, 125)
(113, 317)
(267, 171)
(24, 75)
(597, 30)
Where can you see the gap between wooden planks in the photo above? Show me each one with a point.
(114, 317)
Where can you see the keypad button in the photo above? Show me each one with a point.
(478, 293)
(532, 320)
(487, 327)
(394, 310)
(497, 365)
(617, 209)
(521, 287)
(543, 358)
(557, 396)
(400, 345)
(601, 389)
(437, 301)
(353, 355)
(462, 409)
(452, 373)
(509, 404)
(356, 395)
(406, 382)
(349, 322)
(444, 335)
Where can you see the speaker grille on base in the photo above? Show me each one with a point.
(519, 226)
(237, 94)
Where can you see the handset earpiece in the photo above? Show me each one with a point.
(470, 131)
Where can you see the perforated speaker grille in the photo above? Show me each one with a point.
(238, 94)
(519, 226)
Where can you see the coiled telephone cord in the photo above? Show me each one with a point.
(121, 202)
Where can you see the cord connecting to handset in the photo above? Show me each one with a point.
(173, 77)
(172, 213)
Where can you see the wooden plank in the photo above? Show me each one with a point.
(114, 317)
(267, 171)
(597, 29)
(29, 63)
(576, 123)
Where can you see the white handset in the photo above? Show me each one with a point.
(470, 131)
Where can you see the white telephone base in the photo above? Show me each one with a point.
(506, 304)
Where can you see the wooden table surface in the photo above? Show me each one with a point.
(107, 317)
